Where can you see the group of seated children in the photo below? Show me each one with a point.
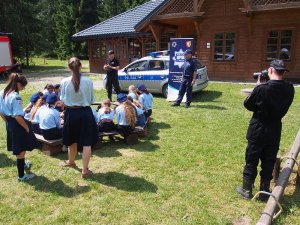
(45, 112)
(131, 110)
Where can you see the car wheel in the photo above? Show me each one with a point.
(165, 90)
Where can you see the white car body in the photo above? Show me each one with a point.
(154, 72)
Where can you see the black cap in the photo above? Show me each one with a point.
(278, 65)
(111, 52)
(188, 51)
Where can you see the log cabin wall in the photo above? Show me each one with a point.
(231, 39)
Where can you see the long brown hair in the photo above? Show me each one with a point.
(75, 65)
(12, 85)
(38, 105)
(130, 113)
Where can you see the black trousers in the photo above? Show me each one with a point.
(52, 134)
(112, 80)
(264, 152)
(185, 87)
(106, 126)
(148, 113)
(124, 129)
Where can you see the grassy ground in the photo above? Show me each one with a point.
(184, 172)
(46, 66)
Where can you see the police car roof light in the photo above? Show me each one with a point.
(159, 53)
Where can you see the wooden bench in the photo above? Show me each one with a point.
(131, 138)
(50, 147)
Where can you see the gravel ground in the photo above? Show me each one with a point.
(55, 78)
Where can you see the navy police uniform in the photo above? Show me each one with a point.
(189, 67)
(112, 77)
(18, 140)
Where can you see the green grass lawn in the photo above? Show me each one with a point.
(44, 66)
(184, 172)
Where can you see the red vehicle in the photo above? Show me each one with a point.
(7, 63)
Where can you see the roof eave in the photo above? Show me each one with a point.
(146, 20)
(111, 35)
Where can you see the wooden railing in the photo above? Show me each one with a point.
(272, 204)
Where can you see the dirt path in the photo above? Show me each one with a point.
(37, 79)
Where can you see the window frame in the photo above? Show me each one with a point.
(224, 39)
(279, 30)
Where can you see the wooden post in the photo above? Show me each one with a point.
(276, 169)
(298, 179)
(271, 206)
(156, 34)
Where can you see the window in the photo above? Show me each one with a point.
(156, 65)
(121, 50)
(279, 44)
(199, 65)
(134, 48)
(138, 66)
(224, 46)
(165, 40)
(149, 46)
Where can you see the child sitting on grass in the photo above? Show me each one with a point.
(132, 92)
(106, 117)
(146, 99)
(126, 115)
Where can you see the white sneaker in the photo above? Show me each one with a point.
(26, 177)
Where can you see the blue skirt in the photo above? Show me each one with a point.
(18, 140)
(80, 127)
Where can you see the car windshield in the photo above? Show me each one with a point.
(199, 64)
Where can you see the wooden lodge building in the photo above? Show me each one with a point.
(233, 38)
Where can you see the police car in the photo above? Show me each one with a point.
(153, 71)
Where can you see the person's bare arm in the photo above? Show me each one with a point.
(21, 121)
(3, 117)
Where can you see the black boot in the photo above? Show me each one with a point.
(246, 190)
(264, 186)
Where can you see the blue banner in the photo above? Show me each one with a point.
(177, 59)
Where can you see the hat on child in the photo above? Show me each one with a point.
(34, 97)
(51, 99)
(44, 97)
(121, 97)
(141, 87)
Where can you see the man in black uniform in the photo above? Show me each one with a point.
(269, 102)
(188, 79)
(112, 66)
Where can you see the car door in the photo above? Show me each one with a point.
(155, 74)
(134, 74)
(201, 77)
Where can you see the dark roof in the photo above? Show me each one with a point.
(122, 24)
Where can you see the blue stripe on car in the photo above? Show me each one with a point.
(142, 77)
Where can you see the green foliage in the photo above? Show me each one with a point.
(45, 27)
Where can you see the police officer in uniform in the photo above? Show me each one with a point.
(188, 79)
(112, 66)
(269, 102)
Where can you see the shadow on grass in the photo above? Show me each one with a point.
(109, 148)
(206, 96)
(214, 107)
(124, 182)
(43, 184)
(5, 161)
